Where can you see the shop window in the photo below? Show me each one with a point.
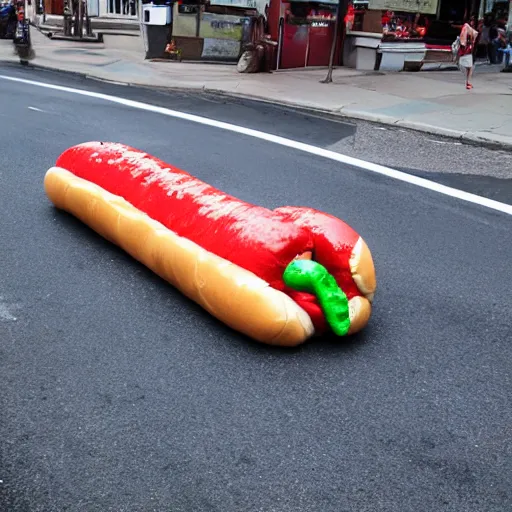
(355, 15)
(453, 10)
(311, 13)
(128, 8)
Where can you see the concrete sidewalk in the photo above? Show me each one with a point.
(432, 101)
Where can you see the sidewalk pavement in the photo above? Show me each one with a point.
(435, 102)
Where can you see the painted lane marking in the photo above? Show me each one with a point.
(307, 148)
(445, 142)
(35, 109)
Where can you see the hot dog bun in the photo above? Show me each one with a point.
(363, 269)
(232, 294)
(359, 312)
(363, 274)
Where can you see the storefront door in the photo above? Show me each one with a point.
(294, 46)
(320, 41)
(307, 34)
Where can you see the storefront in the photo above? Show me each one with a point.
(304, 32)
(108, 9)
(406, 34)
(216, 30)
(500, 10)
(388, 34)
(120, 8)
(302, 29)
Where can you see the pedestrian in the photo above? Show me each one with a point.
(468, 37)
(493, 35)
(500, 41)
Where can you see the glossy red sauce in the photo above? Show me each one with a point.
(260, 240)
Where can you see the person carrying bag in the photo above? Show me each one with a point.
(466, 45)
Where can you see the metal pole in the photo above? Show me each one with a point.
(280, 42)
(198, 19)
(341, 11)
(80, 18)
(88, 29)
(307, 49)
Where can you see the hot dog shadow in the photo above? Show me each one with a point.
(222, 334)
(329, 345)
(326, 344)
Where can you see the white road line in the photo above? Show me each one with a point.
(35, 109)
(307, 148)
(445, 142)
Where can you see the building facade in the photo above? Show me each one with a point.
(120, 9)
(119, 12)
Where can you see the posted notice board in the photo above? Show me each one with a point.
(422, 6)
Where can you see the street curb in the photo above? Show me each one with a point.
(471, 138)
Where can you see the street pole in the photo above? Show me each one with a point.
(88, 29)
(341, 11)
(80, 18)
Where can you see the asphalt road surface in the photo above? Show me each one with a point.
(118, 394)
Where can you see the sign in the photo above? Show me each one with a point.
(421, 6)
(188, 9)
(259, 5)
(220, 49)
(244, 4)
(219, 26)
(326, 2)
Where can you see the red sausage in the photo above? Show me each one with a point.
(255, 238)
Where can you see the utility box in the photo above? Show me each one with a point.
(156, 14)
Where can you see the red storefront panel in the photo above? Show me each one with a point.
(295, 44)
(320, 41)
(307, 33)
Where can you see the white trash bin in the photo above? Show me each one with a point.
(156, 14)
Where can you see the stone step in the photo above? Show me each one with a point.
(108, 26)
(59, 36)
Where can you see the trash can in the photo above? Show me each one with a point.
(156, 27)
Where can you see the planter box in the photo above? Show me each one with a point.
(395, 55)
(360, 50)
(191, 47)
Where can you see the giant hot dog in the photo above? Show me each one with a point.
(279, 276)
